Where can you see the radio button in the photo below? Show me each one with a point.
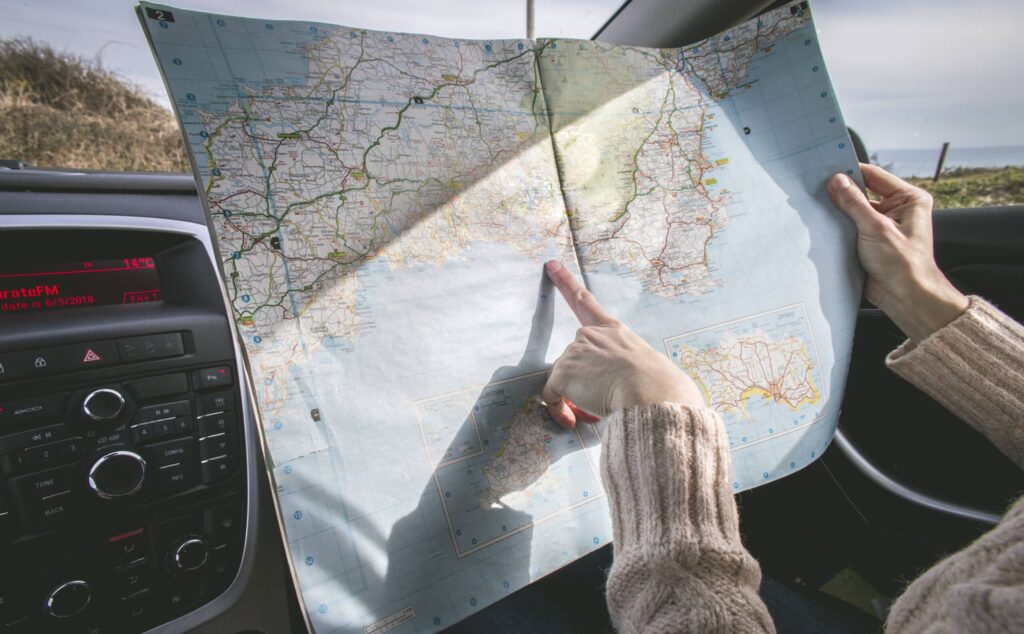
(216, 424)
(178, 597)
(164, 410)
(104, 404)
(29, 364)
(183, 425)
(9, 369)
(223, 524)
(144, 433)
(34, 409)
(8, 529)
(159, 386)
(136, 608)
(191, 554)
(216, 445)
(209, 378)
(36, 487)
(215, 403)
(164, 428)
(216, 469)
(117, 474)
(14, 603)
(132, 581)
(48, 455)
(32, 438)
(83, 356)
(68, 599)
(127, 548)
(53, 511)
(221, 570)
(177, 477)
(173, 452)
(150, 347)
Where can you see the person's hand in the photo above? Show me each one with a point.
(608, 367)
(894, 241)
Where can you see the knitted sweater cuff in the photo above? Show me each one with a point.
(974, 367)
(666, 469)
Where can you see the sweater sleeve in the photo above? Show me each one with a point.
(679, 565)
(974, 367)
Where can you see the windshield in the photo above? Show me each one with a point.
(79, 88)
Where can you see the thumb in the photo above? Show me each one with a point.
(557, 406)
(852, 202)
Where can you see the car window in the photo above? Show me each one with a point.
(79, 87)
(912, 75)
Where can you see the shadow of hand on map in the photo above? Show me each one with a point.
(468, 541)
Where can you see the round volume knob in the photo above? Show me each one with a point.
(191, 554)
(68, 599)
(103, 404)
(117, 474)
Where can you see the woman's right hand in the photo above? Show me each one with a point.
(894, 241)
(608, 367)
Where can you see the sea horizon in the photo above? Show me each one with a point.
(908, 163)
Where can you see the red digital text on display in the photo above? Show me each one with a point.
(85, 283)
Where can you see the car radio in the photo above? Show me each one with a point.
(125, 460)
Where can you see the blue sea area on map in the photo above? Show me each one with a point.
(778, 246)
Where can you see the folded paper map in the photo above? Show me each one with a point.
(383, 204)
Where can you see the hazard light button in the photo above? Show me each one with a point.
(94, 354)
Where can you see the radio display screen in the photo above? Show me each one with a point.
(49, 287)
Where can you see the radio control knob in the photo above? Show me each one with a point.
(117, 474)
(191, 554)
(68, 599)
(103, 404)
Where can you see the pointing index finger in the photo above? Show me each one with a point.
(580, 300)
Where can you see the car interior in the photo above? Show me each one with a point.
(134, 494)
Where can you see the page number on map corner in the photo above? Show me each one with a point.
(160, 14)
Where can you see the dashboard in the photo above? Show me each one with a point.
(128, 452)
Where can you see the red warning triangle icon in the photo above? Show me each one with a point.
(91, 356)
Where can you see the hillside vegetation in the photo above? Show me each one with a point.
(61, 110)
(976, 187)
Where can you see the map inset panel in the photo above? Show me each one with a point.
(527, 462)
(761, 373)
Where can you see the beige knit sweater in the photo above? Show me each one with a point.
(680, 566)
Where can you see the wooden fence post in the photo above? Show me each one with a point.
(942, 159)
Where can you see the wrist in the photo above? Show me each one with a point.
(679, 388)
(925, 307)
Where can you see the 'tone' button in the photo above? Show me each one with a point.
(35, 488)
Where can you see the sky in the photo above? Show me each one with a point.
(915, 73)
(909, 74)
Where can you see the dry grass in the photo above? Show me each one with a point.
(60, 110)
(976, 187)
